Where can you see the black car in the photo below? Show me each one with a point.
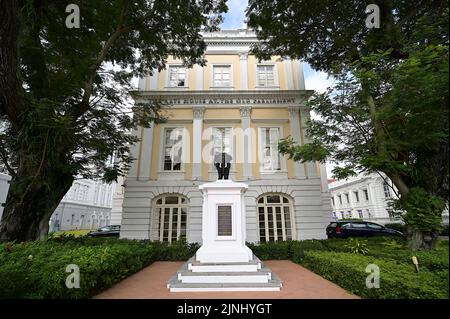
(106, 231)
(345, 229)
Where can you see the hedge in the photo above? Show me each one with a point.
(38, 269)
(397, 280)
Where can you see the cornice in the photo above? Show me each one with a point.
(198, 94)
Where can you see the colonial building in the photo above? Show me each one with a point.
(363, 196)
(87, 205)
(240, 106)
(366, 197)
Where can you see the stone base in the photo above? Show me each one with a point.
(245, 276)
(224, 254)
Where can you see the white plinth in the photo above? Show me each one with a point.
(217, 248)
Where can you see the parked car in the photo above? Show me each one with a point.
(345, 229)
(106, 231)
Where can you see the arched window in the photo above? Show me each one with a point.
(274, 218)
(172, 217)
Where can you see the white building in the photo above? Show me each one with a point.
(87, 205)
(4, 187)
(363, 196)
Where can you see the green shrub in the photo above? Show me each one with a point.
(397, 280)
(444, 231)
(38, 269)
(357, 246)
(272, 250)
(298, 248)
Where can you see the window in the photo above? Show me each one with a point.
(340, 199)
(349, 214)
(72, 219)
(356, 193)
(222, 75)
(347, 199)
(387, 190)
(172, 212)
(360, 214)
(366, 194)
(269, 143)
(173, 138)
(265, 75)
(177, 76)
(358, 225)
(342, 215)
(274, 218)
(222, 140)
(332, 201)
(374, 226)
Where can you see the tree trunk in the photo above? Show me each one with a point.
(420, 240)
(26, 215)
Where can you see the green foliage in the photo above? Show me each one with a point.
(272, 250)
(423, 211)
(37, 269)
(68, 108)
(300, 248)
(397, 280)
(357, 246)
(388, 110)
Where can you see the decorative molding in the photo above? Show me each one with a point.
(246, 110)
(270, 120)
(293, 110)
(224, 98)
(219, 121)
(243, 56)
(171, 121)
(199, 111)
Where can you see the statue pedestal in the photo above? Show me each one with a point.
(223, 227)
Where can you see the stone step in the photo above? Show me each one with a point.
(176, 286)
(187, 280)
(251, 266)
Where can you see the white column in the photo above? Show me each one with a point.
(296, 134)
(154, 80)
(289, 75)
(134, 152)
(311, 169)
(197, 142)
(198, 77)
(142, 83)
(146, 154)
(300, 75)
(247, 141)
(244, 71)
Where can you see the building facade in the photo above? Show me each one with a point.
(4, 187)
(87, 205)
(365, 197)
(237, 105)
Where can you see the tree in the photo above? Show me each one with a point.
(389, 109)
(63, 111)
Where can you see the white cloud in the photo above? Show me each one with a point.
(234, 18)
(318, 81)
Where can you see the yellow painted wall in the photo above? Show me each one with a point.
(268, 113)
(221, 114)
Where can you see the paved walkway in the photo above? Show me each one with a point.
(298, 283)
